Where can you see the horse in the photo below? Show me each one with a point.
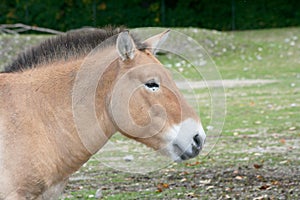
(58, 108)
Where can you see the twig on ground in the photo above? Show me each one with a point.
(19, 28)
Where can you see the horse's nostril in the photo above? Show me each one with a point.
(198, 142)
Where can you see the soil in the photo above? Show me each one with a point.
(261, 170)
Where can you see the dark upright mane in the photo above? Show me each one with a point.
(63, 47)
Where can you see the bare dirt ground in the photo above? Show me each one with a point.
(265, 167)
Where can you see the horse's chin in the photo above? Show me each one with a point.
(179, 155)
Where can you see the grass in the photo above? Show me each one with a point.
(257, 155)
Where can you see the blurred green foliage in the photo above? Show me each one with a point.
(218, 14)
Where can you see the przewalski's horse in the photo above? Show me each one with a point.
(42, 141)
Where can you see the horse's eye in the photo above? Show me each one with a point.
(152, 85)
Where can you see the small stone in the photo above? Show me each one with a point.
(235, 134)
(258, 57)
(205, 182)
(283, 162)
(292, 43)
(183, 180)
(292, 128)
(210, 187)
(98, 194)
(178, 64)
(261, 197)
(128, 158)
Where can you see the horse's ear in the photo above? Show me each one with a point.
(156, 41)
(125, 46)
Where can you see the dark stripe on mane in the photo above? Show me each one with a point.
(63, 47)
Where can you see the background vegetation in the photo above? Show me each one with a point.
(217, 14)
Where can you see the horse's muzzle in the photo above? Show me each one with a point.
(193, 150)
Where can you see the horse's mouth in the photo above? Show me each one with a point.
(185, 140)
(186, 154)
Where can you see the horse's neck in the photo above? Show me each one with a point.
(48, 92)
(51, 103)
(90, 98)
